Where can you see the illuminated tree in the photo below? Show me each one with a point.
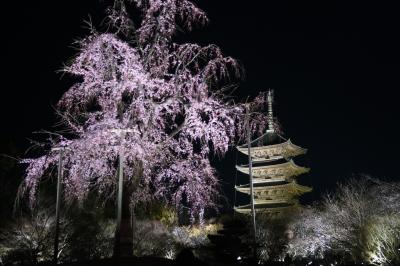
(29, 239)
(359, 222)
(310, 238)
(169, 95)
(348, 213)
(382, 240)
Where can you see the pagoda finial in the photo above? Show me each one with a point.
(270, 99)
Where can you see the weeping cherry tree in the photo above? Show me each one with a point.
(172, 98)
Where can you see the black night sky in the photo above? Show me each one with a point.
(334, 67)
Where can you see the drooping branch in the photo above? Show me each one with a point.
(168, 96)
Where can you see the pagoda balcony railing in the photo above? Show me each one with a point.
(286, 169)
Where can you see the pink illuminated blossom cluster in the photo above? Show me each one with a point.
(167, 94)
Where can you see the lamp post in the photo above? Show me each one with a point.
(58, 200)
(253, 213)
(121, 133)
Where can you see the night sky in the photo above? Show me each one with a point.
(334, 67)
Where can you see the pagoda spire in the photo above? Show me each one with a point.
(270, 99)
(271, 172)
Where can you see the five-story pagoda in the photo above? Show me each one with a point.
(273, 171)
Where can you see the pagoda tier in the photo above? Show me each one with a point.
(277, 191)
(277, 207)
(273, 152)
(274, 172)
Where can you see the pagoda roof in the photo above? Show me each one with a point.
(273, 152)
(292, 188)
(274, 172)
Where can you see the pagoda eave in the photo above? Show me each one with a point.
(284, 150)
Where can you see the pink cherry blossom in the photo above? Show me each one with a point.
(168, 94)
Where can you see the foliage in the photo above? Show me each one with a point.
(30, 238)
(168, 95)
(84, 234)
(91, 235)
(352, 208)
(309, 234)
(382, 240)
(153, 238)
(358, 223)
(271, 236)
(194, 236)
(157, 211)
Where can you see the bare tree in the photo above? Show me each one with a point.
(30, 237)
(309, 234)
(382, 240)
(359, 222)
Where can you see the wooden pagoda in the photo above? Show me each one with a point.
(272, 182)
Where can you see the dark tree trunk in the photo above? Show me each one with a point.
(124, 237)
(124, 234)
